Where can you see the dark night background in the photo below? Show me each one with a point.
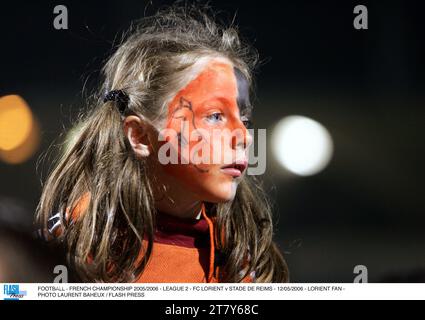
(365, 86)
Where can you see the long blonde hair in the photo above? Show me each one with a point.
(150, 65)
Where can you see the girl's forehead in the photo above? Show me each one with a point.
(216, 77)
(216, 80)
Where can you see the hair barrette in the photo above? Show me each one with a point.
(118, 96)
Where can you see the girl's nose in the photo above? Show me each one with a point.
(241, 138)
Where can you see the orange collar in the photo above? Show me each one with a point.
(212, 244)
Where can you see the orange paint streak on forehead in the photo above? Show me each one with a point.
(217, 80)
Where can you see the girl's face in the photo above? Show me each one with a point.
(208, 117)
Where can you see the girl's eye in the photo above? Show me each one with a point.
(215, 117)
(247, 123)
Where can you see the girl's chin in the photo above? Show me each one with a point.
(221, 193)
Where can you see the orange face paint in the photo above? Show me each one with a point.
(215, 101)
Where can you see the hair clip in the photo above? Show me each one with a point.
(118, 96)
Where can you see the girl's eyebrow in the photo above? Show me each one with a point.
(244, 109)
(222, 99)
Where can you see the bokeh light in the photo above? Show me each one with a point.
(302, 145)
(19, 130)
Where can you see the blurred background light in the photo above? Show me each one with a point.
(19, 130)
(302, 145)
(15, 122)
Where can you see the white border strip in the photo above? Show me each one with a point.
(184, 291)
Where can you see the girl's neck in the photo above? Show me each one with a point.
(181, 210)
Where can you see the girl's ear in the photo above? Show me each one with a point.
(136, 131)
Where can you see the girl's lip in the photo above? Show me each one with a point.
(235, 169)
(232, 172)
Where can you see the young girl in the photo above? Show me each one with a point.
(128, 215)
